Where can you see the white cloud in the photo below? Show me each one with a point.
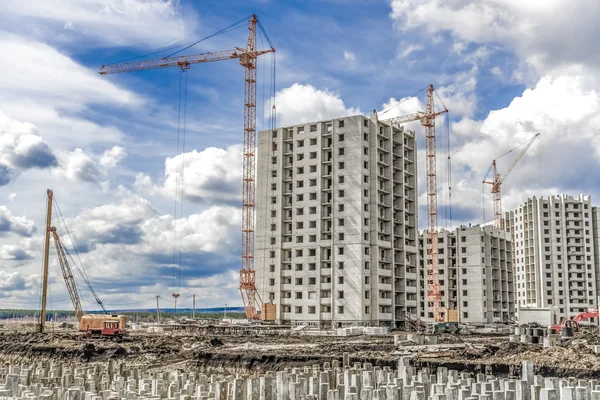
(15, 281)
(78, 166)
(408, 49)
(49, 76)
(13, 253)
(81, 166)
(459, 96)
(21, 148)
(48, 90)
(152, 23)
(536, 30)
(565, 111)
(211, 176)
(496, 71)
(304, 103)
(134, 228)
(349, 56)
(11, 196)
(10, 223)
(112, 157)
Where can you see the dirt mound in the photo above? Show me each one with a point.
(592, 337)
(215, 342)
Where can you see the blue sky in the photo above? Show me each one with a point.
(107, 145)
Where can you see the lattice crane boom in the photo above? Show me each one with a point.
(67, 274)
(498, 180)
(247, 57)
(427, 119)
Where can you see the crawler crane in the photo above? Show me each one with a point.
(93, 325)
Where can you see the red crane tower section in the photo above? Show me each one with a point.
(498, 180)
(247, 57)
(427, 119)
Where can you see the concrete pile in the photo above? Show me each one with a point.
(111, 381)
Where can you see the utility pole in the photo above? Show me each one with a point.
(225, 312)
(193, 306)
(157, 311)
(46, 257)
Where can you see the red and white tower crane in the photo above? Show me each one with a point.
(247, 57)
(498, 180)
(427, 119)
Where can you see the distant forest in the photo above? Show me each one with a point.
(134, 315)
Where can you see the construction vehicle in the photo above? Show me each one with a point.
(92, 325)
(572, 325)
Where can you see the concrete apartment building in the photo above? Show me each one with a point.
(336, 238)
(554, 248)
(475, 274)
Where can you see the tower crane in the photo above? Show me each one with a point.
(498, 180)
(247, 57)
(427, 119)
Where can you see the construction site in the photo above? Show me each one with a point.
(348, 291)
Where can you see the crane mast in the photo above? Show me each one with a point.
(427, 119)
(498, 180)
(42, 325)
(247, 57)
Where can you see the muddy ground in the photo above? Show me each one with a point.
(259, 353)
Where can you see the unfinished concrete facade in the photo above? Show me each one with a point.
(553, 247)
(336, 234)
(475, 274)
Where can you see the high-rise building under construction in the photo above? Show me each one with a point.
(554, 254)
(336, 239)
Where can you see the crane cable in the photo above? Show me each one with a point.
(78, 265)
(179, 186)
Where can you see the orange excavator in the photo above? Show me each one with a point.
(574, 323)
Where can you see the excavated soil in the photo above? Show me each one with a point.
(226, 352)
(238, 353)
(572, 358)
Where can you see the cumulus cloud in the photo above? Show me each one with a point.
(304, 103)
(10, 223)
(118, 239)
(80, 166)
(211, 176)
(529, 27)
(13, 253)
(14, 281)
(565, 111)
(115, 22)
(112, 157)
(21, 148)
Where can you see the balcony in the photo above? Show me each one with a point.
(384, 316)
(385, 302)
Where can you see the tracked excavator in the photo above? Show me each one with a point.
(571, 326)
(106, 326)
